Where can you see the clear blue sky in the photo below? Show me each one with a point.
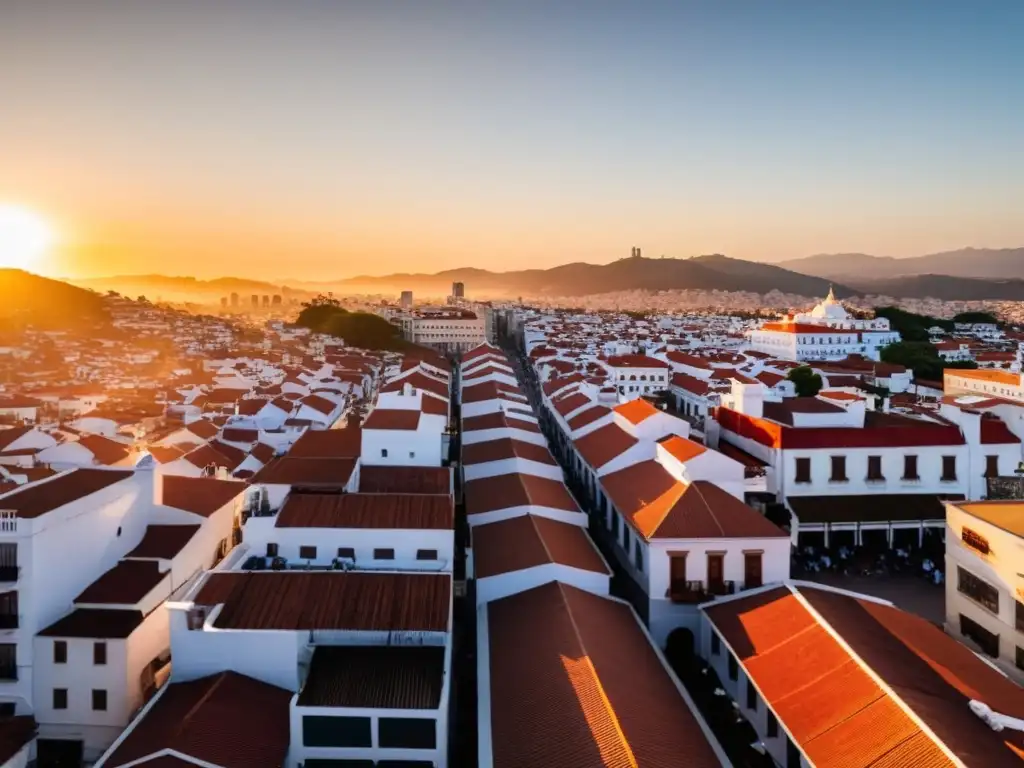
(328, 137)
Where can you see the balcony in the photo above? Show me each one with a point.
(690, 592)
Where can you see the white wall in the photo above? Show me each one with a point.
(404, 448)
(497, 587)
(511, 466)
(483, 518)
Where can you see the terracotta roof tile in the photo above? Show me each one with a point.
(328, 444)
(199, 495)
(636, 411)
(604, 444)
(570, 403)
(680, 448)
(498, 420)
(379, 677)
(163, 541)
(42, 497)
(108, 623)
(505, 448)
(126, 583)
(575, 683)
(530, 541)
(588, 416)
(366, 510)
(386, 418)
(106, 451)
(226, 719)
(286, 470)
(516, 489)
(353, 600)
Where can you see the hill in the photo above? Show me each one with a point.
(977, 263)
(944, 287)
(183, 288)
(707, 273)
(46, 303)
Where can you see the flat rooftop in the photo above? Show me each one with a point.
(1007, 515)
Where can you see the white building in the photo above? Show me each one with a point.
(984, 583)
(827, 332)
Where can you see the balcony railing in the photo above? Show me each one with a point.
(699, 591)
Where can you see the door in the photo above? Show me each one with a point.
(677, 573)
(752, 570)
(715, 571)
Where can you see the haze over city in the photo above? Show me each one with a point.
(323, 140)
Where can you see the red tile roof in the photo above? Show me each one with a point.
(126, 583)
(604, 444)
(995, 432)
(636, 411)
(105, 450)
(328, 444)
(588, 416)
(202, 429)
(530, 541)
(238, 435)
(225, 719)
(418, 380)
(491, 390)
(560, 382)
(636, 361)
(828, 701)
(285, 470)
(878, 432)
(163, 541)
(680, 448)
(489, 494)
(105, 623)
(504, 448)
(45, 496)
(199, 495)
(498, 420)
(405, 479)
(690, 383)
(388, 418)
(367, 510)
(575, 683)
(319, 404)
(573, 402)
(353, 600)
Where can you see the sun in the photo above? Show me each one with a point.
(25, 236)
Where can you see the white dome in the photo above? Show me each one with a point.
(830, 309)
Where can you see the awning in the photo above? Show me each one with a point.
(870, 509)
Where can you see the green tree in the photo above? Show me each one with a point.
(922, 358)
(976, 317)
(807, 382)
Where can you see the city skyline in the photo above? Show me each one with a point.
(334, 140)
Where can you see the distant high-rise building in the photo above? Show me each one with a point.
(224, 302)
(277, 299)
(266, 300)
(459, 290)
(255, 301)
(635, 253)
(406, 300)
(234, 299)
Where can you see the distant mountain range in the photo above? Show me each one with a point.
(974, 263)
(709, 273)
(46, 303)
(172, 288)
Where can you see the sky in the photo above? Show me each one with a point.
(327, 138)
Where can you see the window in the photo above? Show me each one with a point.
(987, 641)
(1020, 657)
(383, 554)
(838, 469)
(948, 469)
(307, 553)
(772, 725)
(733, 667)
(348, 552)
(991, 466)
(412, 454)
(1019, 615)
(60, 698)
(99, 700)
(716, 644)
(751, 695)
(979, 590)
(615, 526)
(8, 661)
(99, 653)
(271, 550)
(407, 732)
(910, 467)
(60, 652)
(803, 470)
(875, 468)
(383, 453)
(792, 755)
(638, 555)
(426, 554)
(327, 731)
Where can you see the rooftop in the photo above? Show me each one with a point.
(388, 677)
(516, 489)
(430, 480)
(286, 470)
(126, 583)
(529, 541)
(163, 541)
(1006, 515)
(39, 498)
(575, 683)
(367, 510)
(199, 495)
(352, 600)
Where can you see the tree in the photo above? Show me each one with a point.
(922, 358)
(807, 382)
(976, 317)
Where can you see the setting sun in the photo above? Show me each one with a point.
(25, 236)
